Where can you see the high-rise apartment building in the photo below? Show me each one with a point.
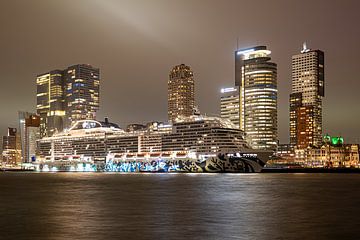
(256, 77)
(181, 99)
(229, 104)
(306, 98)
(65, 96)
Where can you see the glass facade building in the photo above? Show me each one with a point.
(230, 105)
(82, 88)
(65, 96)
(256, 78)
(50, 102)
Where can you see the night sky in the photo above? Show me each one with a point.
(135, 43)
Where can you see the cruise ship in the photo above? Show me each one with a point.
(190, 144)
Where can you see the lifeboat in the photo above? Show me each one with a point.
(155, 155)
(165, 155)
(118, 155)
(130, 156)
(140, 155)
(180, 155)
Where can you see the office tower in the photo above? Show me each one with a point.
(50, 102)
(256, 78)
(306, 98)
(22, 116)
(65, 96)
(32, 134)
(230, 105)
(181, 101)
(11, 153)
(82, 87)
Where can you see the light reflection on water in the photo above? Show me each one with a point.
(179, 206)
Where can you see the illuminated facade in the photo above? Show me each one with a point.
(82, 88)
(333, 152)
(256, 78)
(50, 102)
(65, 96)
(191, 144)
(11, 148)
(229, 104)
(22, 116)
(93, 139)
(32, 134)
(306, 98)
(29, 133)
(346, 155)
(181, 99)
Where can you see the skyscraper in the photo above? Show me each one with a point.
(22, 130)
(65, 96)
(181, 99)
(11, 149)
(50, 102)
(306, 98)
(32, 133)
(230, 105)
(256, 78)
(82, 87)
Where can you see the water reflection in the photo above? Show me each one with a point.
(179, 206)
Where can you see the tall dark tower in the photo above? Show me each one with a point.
(306, 98)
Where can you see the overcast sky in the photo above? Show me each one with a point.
(135, 43)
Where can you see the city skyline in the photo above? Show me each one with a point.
(135, 72)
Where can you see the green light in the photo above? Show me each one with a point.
(337, 140)
(327, 138)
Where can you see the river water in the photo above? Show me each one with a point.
(179, 206)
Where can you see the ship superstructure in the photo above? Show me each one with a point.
(188, 144)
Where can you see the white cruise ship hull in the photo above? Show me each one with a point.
(221, 163)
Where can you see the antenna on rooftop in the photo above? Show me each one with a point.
(305, 49)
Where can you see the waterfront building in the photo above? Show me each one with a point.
(22, 116)
(306, 98)
(65, 96)
(284, 151)
(11, 148)
(29, 133)
(256, 78)
(82, 88)
(50, 102)
(229, 103)
(32, 134)
(181, 93)
(333, 153)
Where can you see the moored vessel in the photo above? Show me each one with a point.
(191, 144)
